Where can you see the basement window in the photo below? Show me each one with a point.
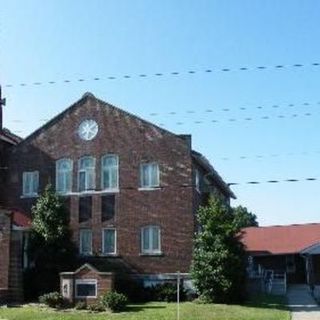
(86, 288)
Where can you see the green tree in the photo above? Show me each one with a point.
(243, 218)
(218, 267)
(50, 249)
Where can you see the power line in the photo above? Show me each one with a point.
(272, 155)
(164, 74)
(265, 117)
(211, 110)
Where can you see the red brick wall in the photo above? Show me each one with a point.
(104, 281)
(134, 141)
(5, 235)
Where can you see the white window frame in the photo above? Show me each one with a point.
(151, 251)
(149, 187)
(64, 172)
(103, 168)
(115, 242)
(33, 175)
(93, 168)
(86, 281)
(80, 242)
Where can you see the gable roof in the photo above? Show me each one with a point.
(80, 102)
(204, 162)
(274, 240)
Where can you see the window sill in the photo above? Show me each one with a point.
(26, 196)
(149, 188)
(89, 192)
(110, 255)
(154, 254)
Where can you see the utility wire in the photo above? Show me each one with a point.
(163, 74)
(211, 110)
(265, 117)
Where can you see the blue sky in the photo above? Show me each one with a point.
(43, 41)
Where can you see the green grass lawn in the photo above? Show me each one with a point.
(270, 310)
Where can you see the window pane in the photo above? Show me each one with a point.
(154, 174)
(114, 178)
(91, 179)
(144, 176)
(155, 239)
(35, 182)
(87, 162)
(85, 208)
(86, 290)
(106, 179)
(82, 181)
(107, 207)
(85, 241)
(145, 240)
(109, 241)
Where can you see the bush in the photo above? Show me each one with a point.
(80, 305)
(114, 301)
(167, 292)
(96, 307)
(52, 299)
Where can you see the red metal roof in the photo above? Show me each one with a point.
(21, 219)
(280, 239)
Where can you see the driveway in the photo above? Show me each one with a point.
(302, 304)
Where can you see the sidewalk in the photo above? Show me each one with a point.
(302, 304)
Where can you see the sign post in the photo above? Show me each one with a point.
(178, 295)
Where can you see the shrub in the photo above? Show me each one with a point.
(80, 305)
(114, 301)
(167, 292)
(52, 299)
(96, 307)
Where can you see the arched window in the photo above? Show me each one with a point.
(64, 175)
(87, 177)
(150, 240)
(109, 172)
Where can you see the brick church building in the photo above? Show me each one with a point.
(132, 191)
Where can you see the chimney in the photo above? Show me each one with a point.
(187, 138)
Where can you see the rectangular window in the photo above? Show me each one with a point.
(85, 208)
(149, 175)
(30, 183)
(87, 175)
(109, 172)
(86, 288)
(150, 240)
(107, 207)
(64, 176)
(109, 241)
(85, 241)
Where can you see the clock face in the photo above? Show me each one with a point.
(88, 129)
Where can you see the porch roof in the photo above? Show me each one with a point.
(275, 240)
